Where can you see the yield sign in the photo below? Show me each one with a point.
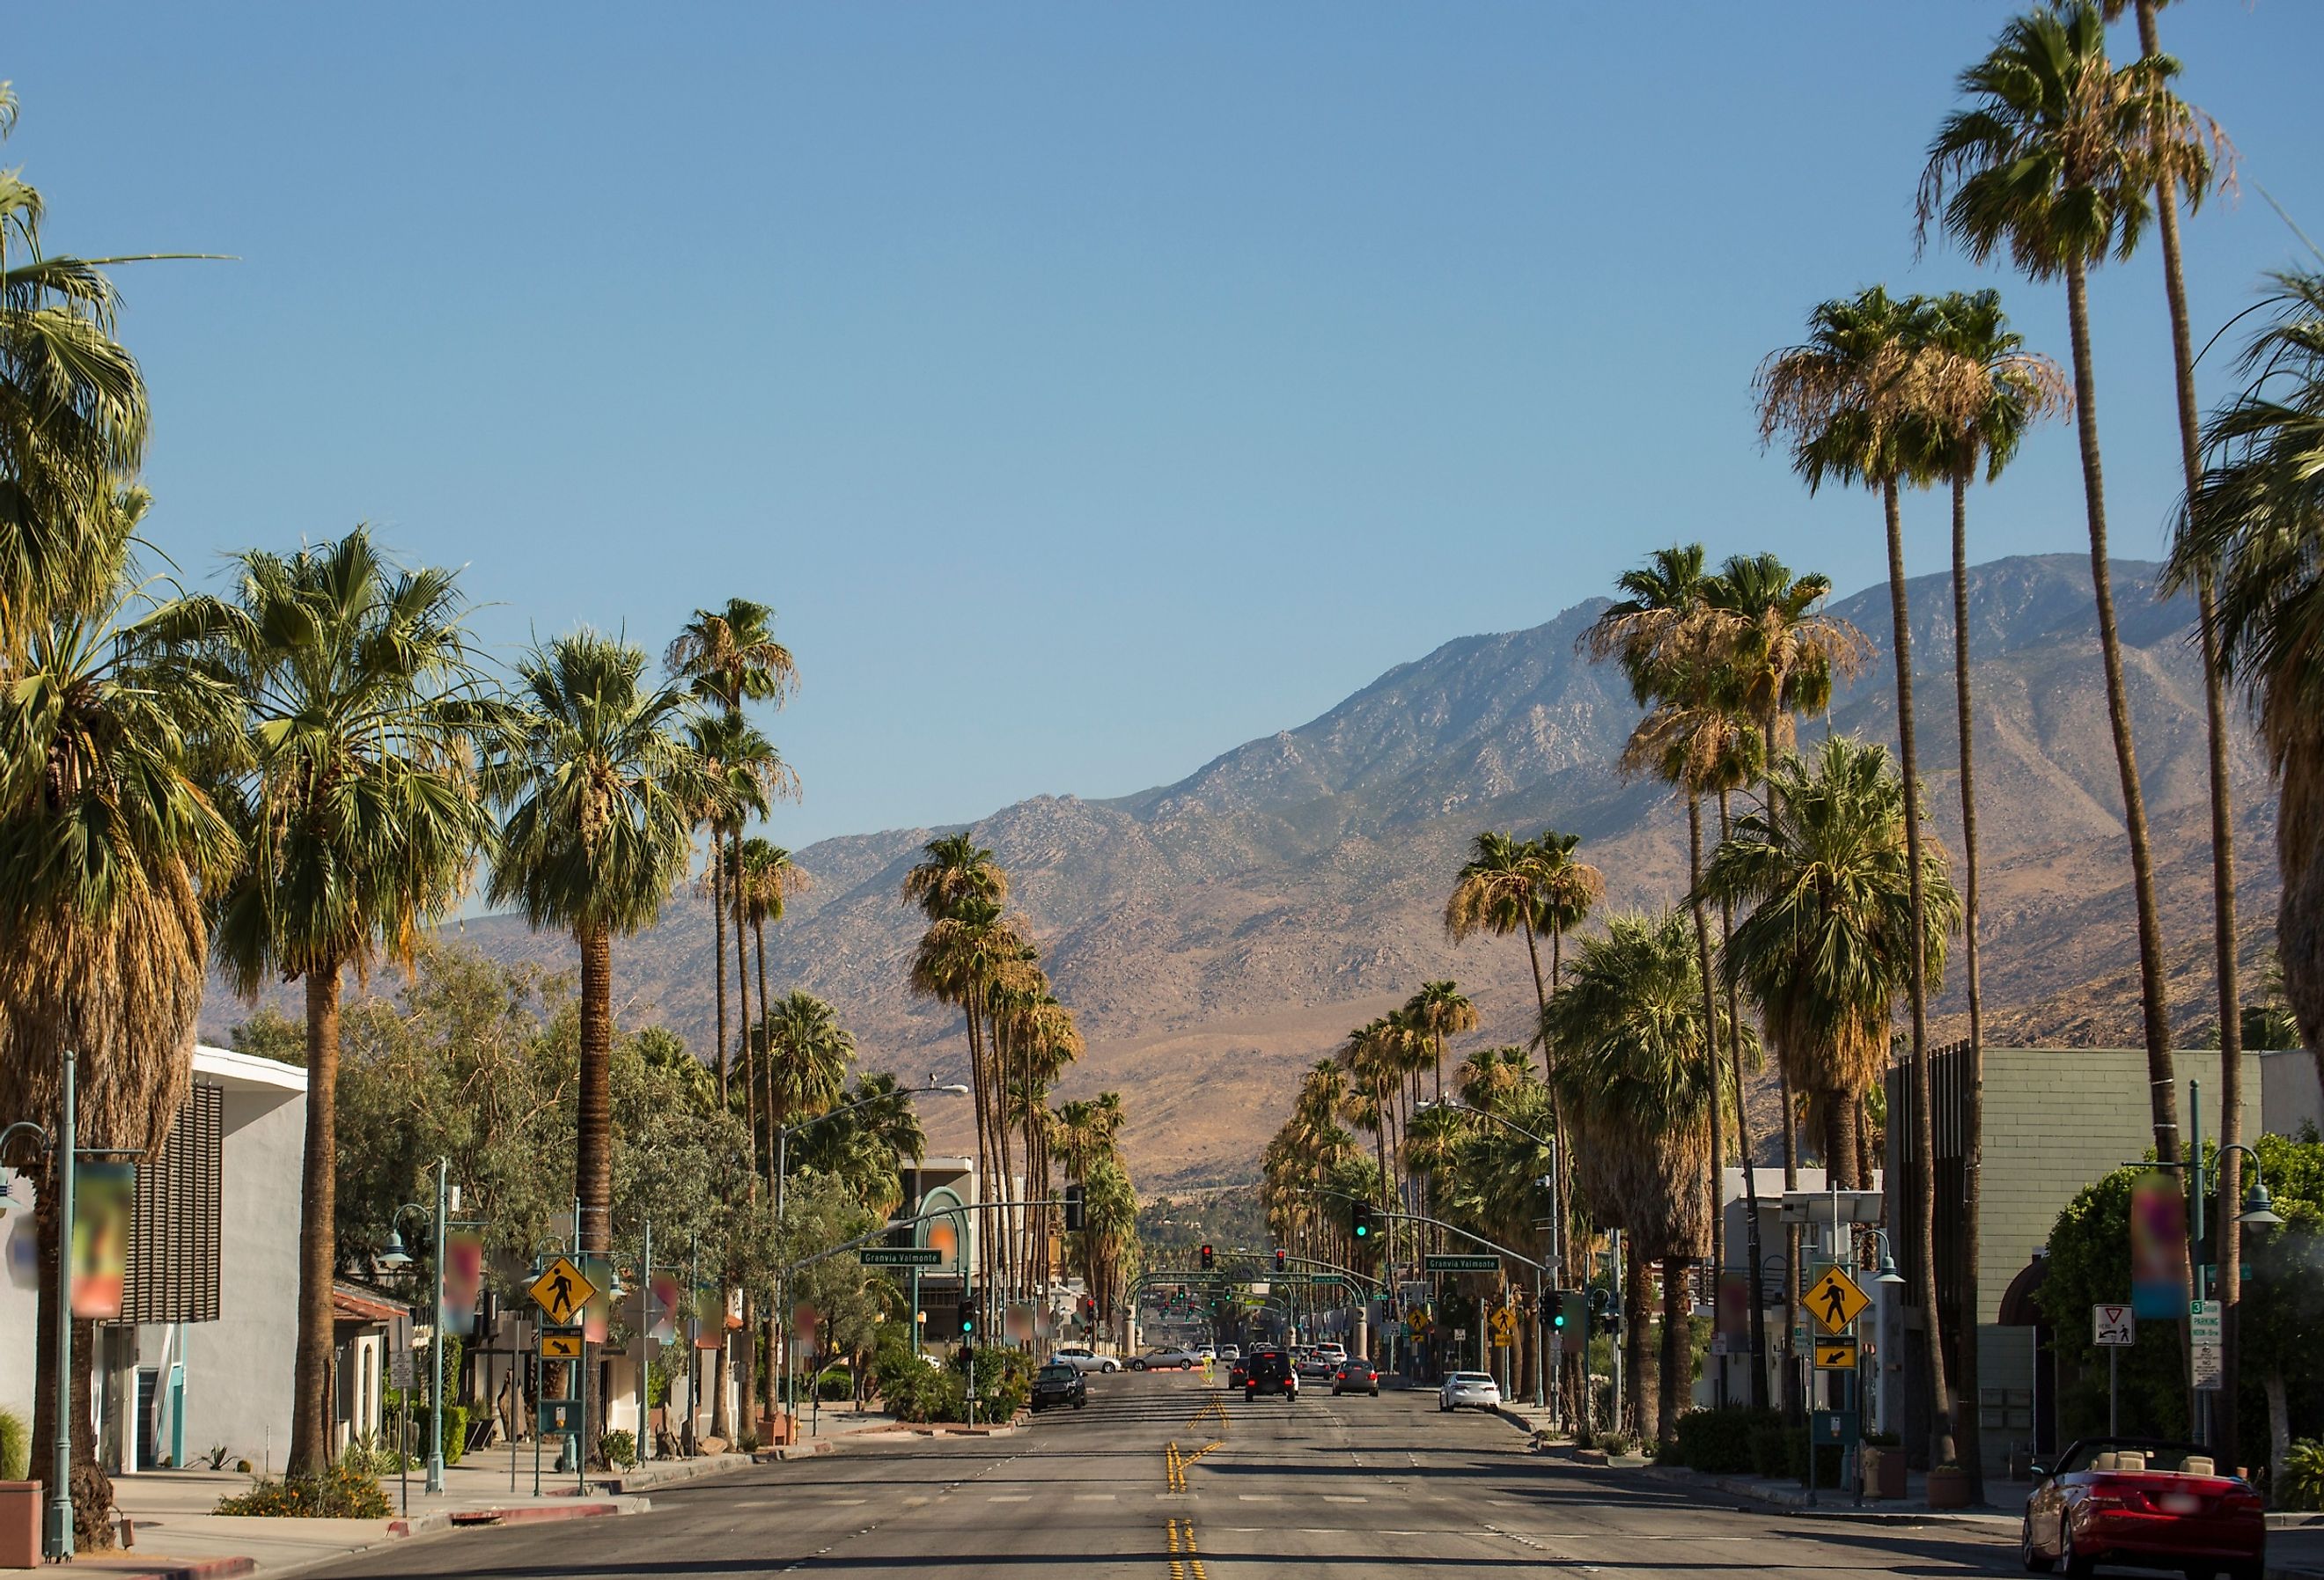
(562, 1292)
(2113, 1326)
(1834, 1300)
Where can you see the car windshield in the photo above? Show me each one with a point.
(1057, 1373)
(2138, 1454)
(1471, 1378)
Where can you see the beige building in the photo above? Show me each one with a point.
(2056, 1120)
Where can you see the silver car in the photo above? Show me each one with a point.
(1081, 1358)
(1469, 1390)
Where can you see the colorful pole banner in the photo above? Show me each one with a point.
(597, 1315)
(103, 1196)
(464, 1280)
(709, 1317)
(2158, 1247)
(666, 1300)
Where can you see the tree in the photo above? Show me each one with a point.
(1637, 1051)
(107, 842)
(1854, 398)
(2016, 388)
(768, 878)
(960, 889)
(743, 773)
(359, 805)
(597, 786)
(1824, 948)
(2057, 157)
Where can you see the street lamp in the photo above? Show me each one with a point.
(394, 1258)
(57, 1536)
(1557, 1231)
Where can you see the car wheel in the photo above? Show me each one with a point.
(2027, 1553)
(1249, 1394)
(1080, 1404)
(1375, 1393)
(2070, 1562)
(1138, 1365)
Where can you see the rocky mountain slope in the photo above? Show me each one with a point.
(1217, 934)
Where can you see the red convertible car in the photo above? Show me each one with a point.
(2146, 1503)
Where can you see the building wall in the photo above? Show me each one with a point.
(2290, 1097)
(238, 1368)
(20, 1299)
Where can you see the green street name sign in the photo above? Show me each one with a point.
(1461, 1262)
(900, 1256)
(1327, 1278)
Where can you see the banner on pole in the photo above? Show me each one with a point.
(665, 1300)
(2158, 1246)
(464, 1280)
(103, 1196)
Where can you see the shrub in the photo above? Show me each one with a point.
(218, 1456)
(837, 1382)
(2299, 1481)
(371, 1454)
(15, 1448)
(1796, 1458)
(340, 1492)
(1719, 1441)
(1615, 1442)
(1771, 1450)
(618, 1447)
(455, 1432)
(244, 1467)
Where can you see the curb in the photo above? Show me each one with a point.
(1788, 1502)
(522, 1514)
(110, 1565)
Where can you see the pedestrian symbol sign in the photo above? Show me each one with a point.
(1505, 1327)
(562, 1292)
(1834, 1300)
(2114, 1326)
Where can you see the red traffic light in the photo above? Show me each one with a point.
(1206, 1259)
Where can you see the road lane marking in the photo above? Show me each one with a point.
(1184, 1563)
(1093, 1497)
(1261, 1497)
(1343, 1498)
(1009, 1498)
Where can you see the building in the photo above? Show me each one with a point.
(2056, 1120)
(201, 1358)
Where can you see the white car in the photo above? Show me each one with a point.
(1166, 1358)
(1468, 1391)
(1084, 1359)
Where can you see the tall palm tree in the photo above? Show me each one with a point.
(743, 774)
(2018, 389)
(1852, 399)
(107, 842)
(1636, 1053)
(2257, 525)
(1499, 892)
(1824, 948)
(808, 1054)
(357, 798)
(2224, 940)
(769, 879)
(1442, 1010)
(2057, 158)
(597, 785)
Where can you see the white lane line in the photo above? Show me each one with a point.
(844, 1502)
(1261, 1497)
(1343, 1498)
(1009, 1498)
(915, 1499)
(1093, 1497)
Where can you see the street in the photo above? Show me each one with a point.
(1351, 1486)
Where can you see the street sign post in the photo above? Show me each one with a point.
(2205, 1342)
(900, 1256)
(1459, 1263)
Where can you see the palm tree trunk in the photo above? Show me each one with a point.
(1743, 1147)
(1973, 1119)
(2161, 1078)
(1678, 1351)
(310, 1374)
(1637, 1362)
(1793, 1403)
(759, 934)
(1839, 1153)
(593, 1171)
(1941, 1447)
(2225, 1433)
(741, 960)
(1711, 1032)
(718, 951)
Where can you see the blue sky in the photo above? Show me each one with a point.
(1089, 388)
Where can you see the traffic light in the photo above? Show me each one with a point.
(1282, 1259)
(1605, 1313)
(968, 1319)
(1573, 1312)
(1207, 1257)
(1553, 1311)
(1363, 1220)
(1075, 1214)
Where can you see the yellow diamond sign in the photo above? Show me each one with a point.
(1834, 1300)
(561, 1291)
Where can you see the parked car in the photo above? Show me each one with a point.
(1271, 1372)
(2143, 1502)
(1468, 1391)
(1081, 1358)
(1165, 1358)
(1356, 1375)
(1230, 1352)
(1055, 1384)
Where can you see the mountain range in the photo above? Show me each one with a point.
(1216, 935)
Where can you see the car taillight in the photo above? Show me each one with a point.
(2242, 1503)
(2102, 1500)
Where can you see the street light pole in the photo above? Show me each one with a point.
(60, 1542)
(436, 1344)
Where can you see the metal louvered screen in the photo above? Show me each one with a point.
(173, 1254)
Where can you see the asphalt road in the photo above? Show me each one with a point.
(1349, 1487)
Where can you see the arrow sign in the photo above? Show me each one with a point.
(1835, 1353)
(2113, 1326)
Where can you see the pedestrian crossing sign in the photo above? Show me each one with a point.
(561, 1291)
(1834, 1300)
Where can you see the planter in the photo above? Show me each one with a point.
(20, 1525)
(1948, 1487)
(1882, 1472)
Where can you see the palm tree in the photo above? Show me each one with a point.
(73, 419)
(743, 774)
(1855, 399)
(597, 785)
(768, 880)
(107, 841)
(2256, 524)
(358, 803)
(1440, 1010)
(1825, 948)
(2019, 388)
(808, 1054)
(2058, 157)
(1636, 1054)
(2224, 940)
(1499, 892)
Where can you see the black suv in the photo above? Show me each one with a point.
(1059, 1385)
(1270, 1371)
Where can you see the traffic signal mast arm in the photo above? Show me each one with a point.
(893, 1225)
(1424, 1218)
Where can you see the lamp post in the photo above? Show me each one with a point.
(57, 1535)
(782, 1173)
(396, 1258)
(1556, 1230)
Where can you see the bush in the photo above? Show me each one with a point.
(1796, 1458)
(1616, 1443)
(619, 1447)
(1719, 1441)
(370, 1455)
(1004, 1383)
(341, 1493)
(2299, 1481)
(455, 1432)
(1771, 1449)
(15, 1448)
(837, 1382)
